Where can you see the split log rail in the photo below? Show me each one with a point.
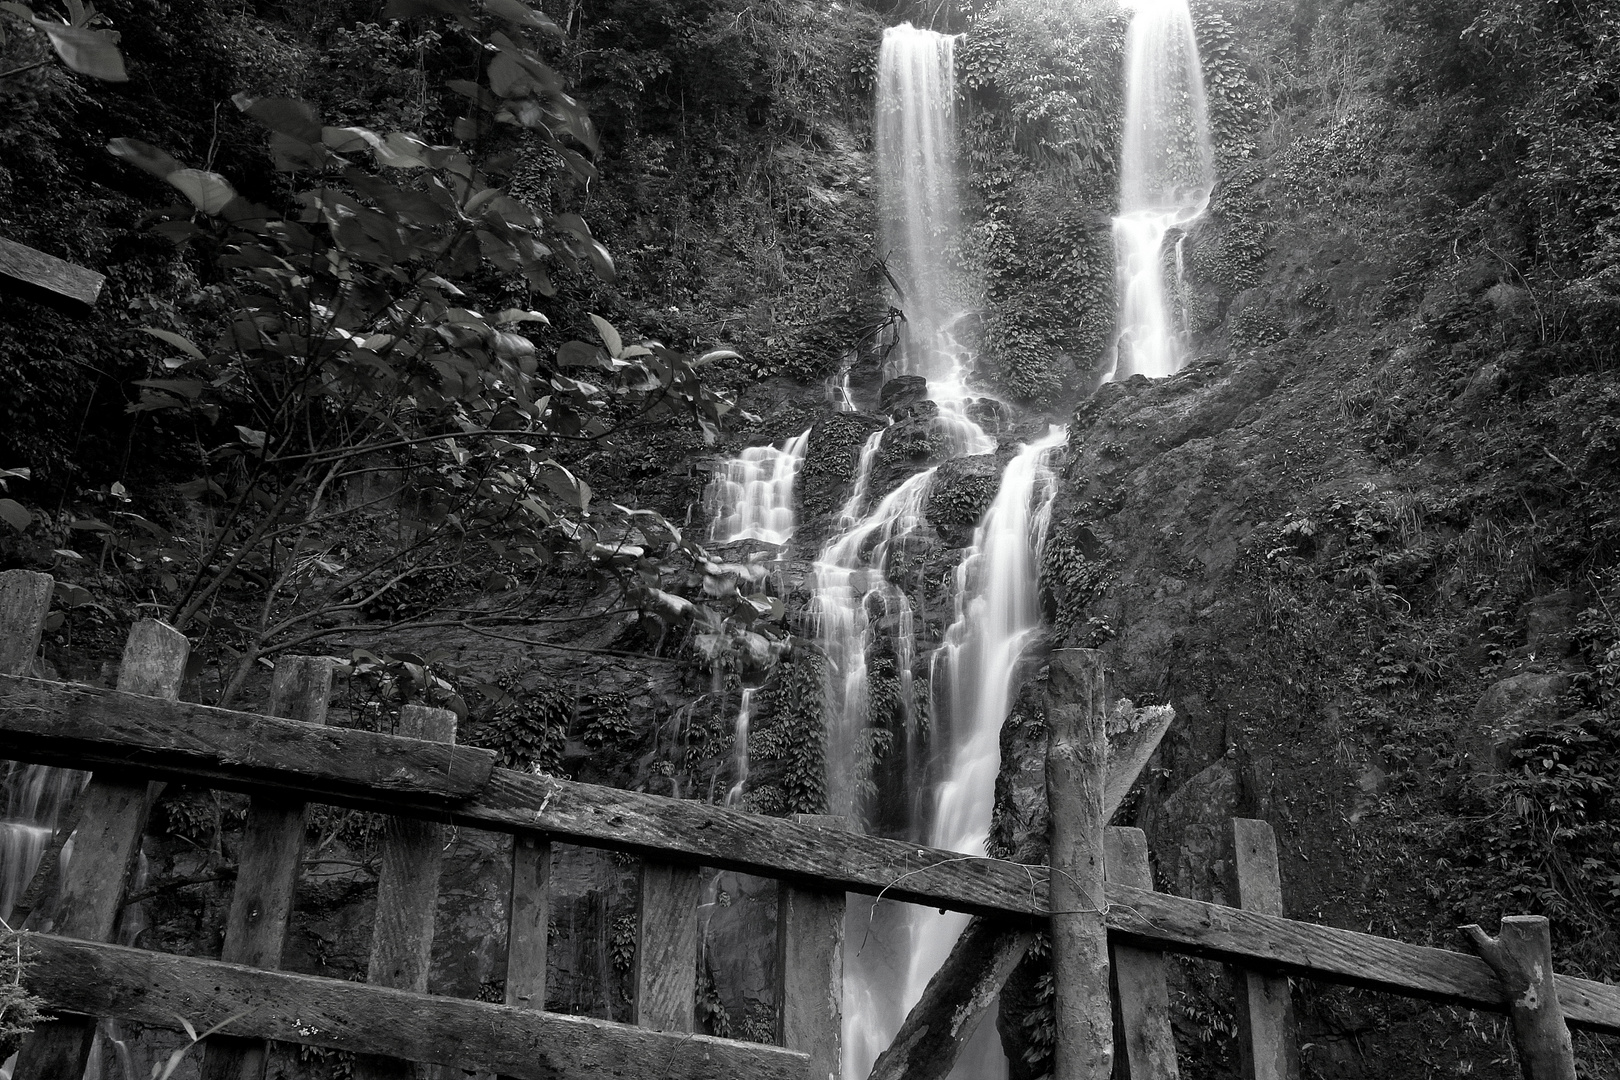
(139, 736)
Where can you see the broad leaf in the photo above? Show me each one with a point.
(182, 343)
(610, 336)
(13, 513)
(89, 52)
(208, 191)
(145, 156)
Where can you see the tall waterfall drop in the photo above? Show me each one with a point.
(1167, 170)
(915, 146)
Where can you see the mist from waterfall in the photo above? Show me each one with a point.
(1167, 171)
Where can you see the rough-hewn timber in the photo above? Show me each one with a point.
(157, 989)
(697, 833)
(1077, 707)
(272, 851)
(59, 723)
(112, 812)
(47, 272)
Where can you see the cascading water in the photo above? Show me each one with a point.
(974, 680)
(34, 797)
(1167, 171)
(851, 578)
(751, 496)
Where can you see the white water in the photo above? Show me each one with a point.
(974, 677)
(852, 590)
(751, 495)
(33, 797)
(1167, 170)
(739, 747)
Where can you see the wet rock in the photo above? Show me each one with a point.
(901, 393)
(963, 490)
(1189, 833)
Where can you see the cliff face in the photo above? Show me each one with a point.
(1359, 541)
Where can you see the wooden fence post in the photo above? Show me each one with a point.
(1144, 1002)
(528, 915)
(1076, 767)
(407, 895)
(1521, 956)
(666, 947)
(1267, 1039)
(810, 968)
(112, 817)
(267, 871)
(25, 599)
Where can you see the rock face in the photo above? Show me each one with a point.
(1507, 709)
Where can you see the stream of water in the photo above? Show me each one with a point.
(1167, 171)
(891, 950)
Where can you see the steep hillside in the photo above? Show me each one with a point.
(1365, 542)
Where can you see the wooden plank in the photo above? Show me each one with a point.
(407, 893)
(57, 722)
(674, 829)
(152, 988)
(272, 852)
(1078, 702)
(1148, 1044)
(47, 272)
(528, 915)
(810, 969)
(666, 947)
(1267, 1039)
(112, 818)
(1521, 956)
(955, 1001)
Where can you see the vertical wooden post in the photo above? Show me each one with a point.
(267, 872)
(1144, 1002)
(407, 895)
(810, 969)
(1267, 1038)
(529, 911)
(1521, 956)
(666, 947)
(1076, 767)
(111, 820)
(25, 599)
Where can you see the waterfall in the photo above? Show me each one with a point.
(34, 797)
(751, 495)
(914, 140)
(974, 677)
(851, 579)
(739, 747)
(1167, 170)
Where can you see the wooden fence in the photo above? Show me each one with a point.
(139, 735)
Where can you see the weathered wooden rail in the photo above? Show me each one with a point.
(139, 735)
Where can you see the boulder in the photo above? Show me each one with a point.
(899, 394)
(1508, 707)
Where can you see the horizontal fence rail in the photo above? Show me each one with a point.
(97, 979)
(57, 724)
